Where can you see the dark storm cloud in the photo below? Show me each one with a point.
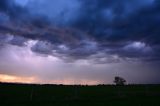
(112, 20)
(5, 6)
(80, 41)
(11, 9)
(126, 28)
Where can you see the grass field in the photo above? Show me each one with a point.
(60, 95)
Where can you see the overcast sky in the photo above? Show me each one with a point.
(79, 41)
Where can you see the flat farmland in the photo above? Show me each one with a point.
(77, 95)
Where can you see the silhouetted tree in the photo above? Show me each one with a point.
(119, 80)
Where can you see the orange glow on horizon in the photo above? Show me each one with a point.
(17, 79)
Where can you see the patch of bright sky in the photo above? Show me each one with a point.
(22, 2)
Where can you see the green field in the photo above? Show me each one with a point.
(60, 95)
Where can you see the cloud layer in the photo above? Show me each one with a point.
(87, 27)
(97, 31)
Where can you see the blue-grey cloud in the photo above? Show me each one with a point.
(80, 29)
(80, 40)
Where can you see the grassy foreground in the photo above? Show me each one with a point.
(60, 95)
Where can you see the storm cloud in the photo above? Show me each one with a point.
(98, 31)
(105, 26)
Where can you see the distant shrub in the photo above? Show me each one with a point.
(119, 80)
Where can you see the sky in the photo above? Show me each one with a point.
(79, 41)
